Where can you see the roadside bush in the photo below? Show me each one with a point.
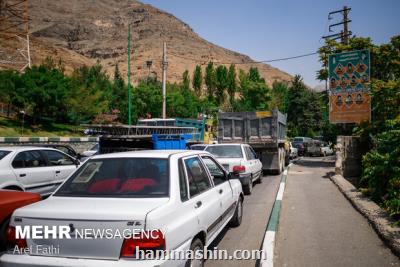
(381, 169)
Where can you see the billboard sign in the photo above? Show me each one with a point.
(349, 84)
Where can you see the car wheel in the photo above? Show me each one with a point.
(237, 217)
(248, 188)
(195, 246)
(260, 177)
(3, 230)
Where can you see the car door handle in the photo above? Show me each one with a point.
(220, 191)
(58, 171)
(22, 175)
(198, 204)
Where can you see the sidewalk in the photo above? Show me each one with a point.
(319, 227)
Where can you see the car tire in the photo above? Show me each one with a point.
(3, 230)
(237, 217)
(247, 189)
(260, 177)
(196, 245)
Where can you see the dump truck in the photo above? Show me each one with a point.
(265, 131)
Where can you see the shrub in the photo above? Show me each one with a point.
(381, 170)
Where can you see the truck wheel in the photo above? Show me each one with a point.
(287, 158)
(195, 246)
(247, 189)
(237, 217)
(282, 159)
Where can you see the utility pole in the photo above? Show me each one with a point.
(345, 39)
(14, 24)
(164, 65)
(345, 33)
(129, 77)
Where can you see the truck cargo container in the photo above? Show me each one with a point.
(265, 131)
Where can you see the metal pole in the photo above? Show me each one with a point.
(29, 51)
(164, 81)
(129, 77)
(345, 26)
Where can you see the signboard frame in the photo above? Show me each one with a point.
(349, 86)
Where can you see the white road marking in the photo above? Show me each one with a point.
(279, 196)
(268, 247)
(269, 239)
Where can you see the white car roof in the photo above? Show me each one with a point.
(24, 148)
(150, 154)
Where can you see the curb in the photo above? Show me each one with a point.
(376, 216)
(273, 222)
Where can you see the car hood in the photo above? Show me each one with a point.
(91, 208)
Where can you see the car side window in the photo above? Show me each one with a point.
(253, 152)
(197, 176)
(249, 154)
(29, 159)
(182, 183)
(56, 158)
(216, 171)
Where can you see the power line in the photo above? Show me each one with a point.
(245, 62)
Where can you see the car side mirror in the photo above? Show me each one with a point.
(77, 162)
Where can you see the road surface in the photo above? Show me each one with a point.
(256, 210)
(319, 227)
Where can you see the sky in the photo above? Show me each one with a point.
(266, 29)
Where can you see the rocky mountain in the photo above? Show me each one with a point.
(82, 32)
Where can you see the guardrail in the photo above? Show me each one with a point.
(9, 140)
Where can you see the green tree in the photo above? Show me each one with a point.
(46, 88)
(181, 102)
(254, 92)
(186, 80)
(94, 86)
(119, 98)
(221, 74)
(279, 96)
(147, 100)
(231, 84)
(210, 81)
(197, 80)
(11, 92)
(300, 117)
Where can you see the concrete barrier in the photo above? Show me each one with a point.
(349, 152)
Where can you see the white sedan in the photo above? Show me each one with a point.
(241, 160)
(184, 196)
(34, 169)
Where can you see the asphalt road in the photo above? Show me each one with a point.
(319, 227)
(249, 235)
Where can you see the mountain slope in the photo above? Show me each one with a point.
(97, 30)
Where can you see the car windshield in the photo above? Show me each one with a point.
(119, 177)
(227, 151)
(298, 139)
(197, 147)
(3, 153)
(95, 147)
